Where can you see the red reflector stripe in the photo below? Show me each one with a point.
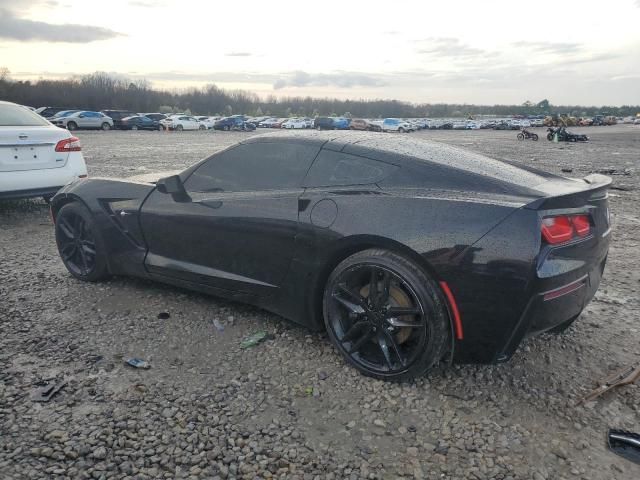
(567, 289)
(457, 322)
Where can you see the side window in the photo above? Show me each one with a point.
(254, 167)
(335, 169)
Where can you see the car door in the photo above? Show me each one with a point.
(194, 123)
(236, 230)
(94, 119)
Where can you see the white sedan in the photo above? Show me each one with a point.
(207, 121)
(36, 157)
(182, 122)
(294, 123)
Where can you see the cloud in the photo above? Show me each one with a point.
(555, 48)
(448, 47)
(337, 79)
(146, 4)
(238, 54)
(13, 27)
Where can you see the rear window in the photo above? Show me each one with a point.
(17, 116)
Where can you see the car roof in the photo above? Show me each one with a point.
(400, 150)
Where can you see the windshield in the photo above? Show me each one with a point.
(17, 116)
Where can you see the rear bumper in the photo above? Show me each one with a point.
(551, 307)
(36, 183)
(30, 193)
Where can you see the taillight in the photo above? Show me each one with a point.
(581, 224)
(564, 228)
(71, 144)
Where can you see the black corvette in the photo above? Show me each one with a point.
(407, 252)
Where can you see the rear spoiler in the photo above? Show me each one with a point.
(595, 188)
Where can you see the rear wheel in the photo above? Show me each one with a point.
(534, 137)
(179, 128)
(71, 126)
(226, 128)
(79, 243)
(385, 316)
(401, 130)
(202, 127)
(135, 127)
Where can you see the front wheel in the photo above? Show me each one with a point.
(534, 137)
(520, 136)
(71, 126)
(179, 128)
(105, 126)
(401, 130)
(79, 243)
(385, 315)
(202, 127)
(135, 127)
(550, 136)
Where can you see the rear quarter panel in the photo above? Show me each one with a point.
(445, 233)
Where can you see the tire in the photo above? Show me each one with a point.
(202, 127)
(401, 130)
(534, 137)
(135, 127)
(520, 136)
(385, 347)
(160, 128)
(226, 128)
(71, 126)
(550, 137)
(105, 126)
(179, 128)
(77, 237)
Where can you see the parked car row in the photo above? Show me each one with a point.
(73, 119)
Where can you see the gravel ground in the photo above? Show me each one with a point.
(289, 407)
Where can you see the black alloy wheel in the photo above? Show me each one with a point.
(385, 316)
(79, 246)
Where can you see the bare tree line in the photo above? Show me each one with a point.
(99, 91)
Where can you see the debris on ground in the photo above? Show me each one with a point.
(624, 443)
(613, 171)
(626, 376)
(256, 338)
(163, 316)
(622, 188)
(137, 363)
(218, 324)
(566, 170)
(45, 393)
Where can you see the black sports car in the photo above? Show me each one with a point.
(140, 122)
(406, 251)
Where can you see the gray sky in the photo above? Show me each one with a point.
(500, 51)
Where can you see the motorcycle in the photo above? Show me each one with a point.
(564, 135)
(526, 134)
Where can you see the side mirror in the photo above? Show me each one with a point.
(173, 186)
